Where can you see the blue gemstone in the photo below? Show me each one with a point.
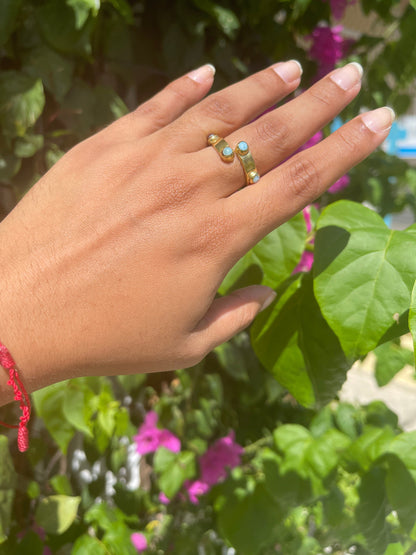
(227, 151)
(256, 178)
(243, 146)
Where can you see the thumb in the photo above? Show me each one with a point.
(231, 314)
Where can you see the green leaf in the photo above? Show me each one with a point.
(372, 510)
(357, 258)
(371, 444)
(88, 545)
(118, 539)
(401, 491)
(9, 10)
(7, 484)
(27, 146)
(56, 513)
(272, 260)
(49, 403)
(391, 358)
(249, 523)
(77, 406)
(403, 446)
(412, 316)
(310, 457)
(225, 18)
(173, 469)
(65, 28)
(395, 549)
(294, 342)
(61, 484)
(56, 71)
(9, 165)
(21, 102)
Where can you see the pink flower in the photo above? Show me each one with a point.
(139, 542)
(220, 455)
(195, 489)
(305, 263)
(307, 216)
(338, 7)
(150, 438)
(163, 499)
(328, 47)
(340, 184)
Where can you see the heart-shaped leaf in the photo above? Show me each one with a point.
(364, 274)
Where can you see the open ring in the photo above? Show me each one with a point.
(222, 147)
(247, 163)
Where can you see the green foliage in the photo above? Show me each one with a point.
(56, 513)
(316, 473)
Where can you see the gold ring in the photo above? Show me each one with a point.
(247, 162)
(222, 147)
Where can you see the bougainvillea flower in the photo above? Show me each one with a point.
(139, 542)
(195, 489)
(163, 499)
(305, 263)
(340, 184)
(224, 453)
(338, 7)
(328, 47)
(150, 437)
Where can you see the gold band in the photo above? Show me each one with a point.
(247, 163)
(222, 147)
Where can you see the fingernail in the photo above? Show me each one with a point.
(202, 74)
(348, 76)
(379, 120)
(288, 71)
(271, 297)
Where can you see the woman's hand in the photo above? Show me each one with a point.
(110, 264)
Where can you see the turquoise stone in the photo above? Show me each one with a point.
(227, 151)
(256, 178)
(243, 146)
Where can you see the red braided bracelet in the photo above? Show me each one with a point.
(20, 394)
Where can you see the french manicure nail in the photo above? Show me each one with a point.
(379, 120)
(348, 76)
(288, 71)
(202, 74)
(268, 301)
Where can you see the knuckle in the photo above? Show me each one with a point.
(220, 107)
(348, 141)
(276, 133)
(152, 109)
(303, 177)
(177, 90)
(321, 94)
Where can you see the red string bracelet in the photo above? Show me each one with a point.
(20, 394)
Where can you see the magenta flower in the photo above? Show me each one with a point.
(342, 182)
(328, 47)
(338, 7)
(163, 499)
(305, 263)
(195, 489)
(139, 542)
(220, 455)
(150, 438)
